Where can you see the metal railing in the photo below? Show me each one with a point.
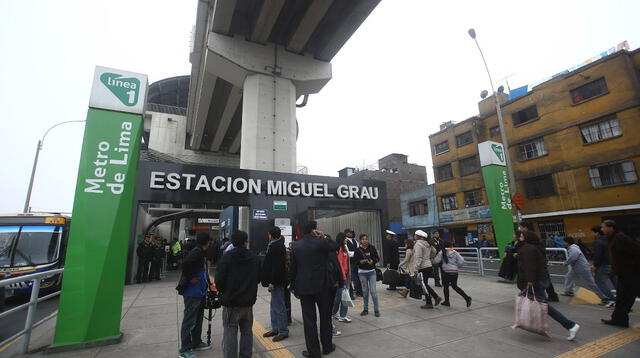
(29, 325)
(556, 258)
(491, 255)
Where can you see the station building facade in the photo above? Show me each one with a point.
(573, 148)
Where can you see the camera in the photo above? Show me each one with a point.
(212, 300)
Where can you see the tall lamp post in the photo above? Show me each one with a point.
(503, 135)
(35, 163)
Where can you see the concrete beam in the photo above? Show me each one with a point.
(222, 15)
(308, 25)
(204, 99)
(235, 146)
(266, 19)
(198, 47)
(348, 27)
(233, 59)
(229, 110)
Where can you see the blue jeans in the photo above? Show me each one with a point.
(368, 281)
(603, 273)
(337, 303)
(539, 289)
(278, 311)
(191, 328)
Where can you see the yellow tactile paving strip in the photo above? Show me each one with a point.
(275, 349)
(604, 345)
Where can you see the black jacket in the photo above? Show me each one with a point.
(193, 263)
(532, 265)
(364, 254)
(390, 254)
(237, 277)
(308, 266)
(625, 256)
(273, 267)
(601, 254)
(145, 250)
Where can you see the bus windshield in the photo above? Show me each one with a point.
(29, 245)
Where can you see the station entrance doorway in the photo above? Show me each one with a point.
(176, 200)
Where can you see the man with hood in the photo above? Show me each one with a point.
(237, 278)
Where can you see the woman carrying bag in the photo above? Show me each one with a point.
(534, 275)
(343, 259)
(367, 256)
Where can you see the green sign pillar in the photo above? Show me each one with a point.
(91, 299)
(496, 183)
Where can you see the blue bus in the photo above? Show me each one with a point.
(31, 243)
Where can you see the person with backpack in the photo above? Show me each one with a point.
(452, 261)
(193, 288)
(274, 273)
(424, 253)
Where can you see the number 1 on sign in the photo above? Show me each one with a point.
(132, 96)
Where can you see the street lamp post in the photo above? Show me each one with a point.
(35, 163)
(503, 135)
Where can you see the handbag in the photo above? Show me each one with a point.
(346, 299)
(378, 274)
(415, 289)
(531, 314)
(391, 277)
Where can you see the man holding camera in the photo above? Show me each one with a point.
(194, 280)
(237, 278)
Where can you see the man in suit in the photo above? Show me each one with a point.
(352, 245)
(308, 270)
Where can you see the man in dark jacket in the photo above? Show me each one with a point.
(237, 278)
(145, 256)
(602, 264)
(625, 252)
(437, 267)
(390, 254)
(194, 272)
(308, 270)
(352, 245)
(275, 279)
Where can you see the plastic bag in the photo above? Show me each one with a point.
(346, 299)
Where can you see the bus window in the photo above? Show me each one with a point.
(7, 236)
(37, 245)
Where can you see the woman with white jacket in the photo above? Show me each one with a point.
(451, 262)
(423, 253)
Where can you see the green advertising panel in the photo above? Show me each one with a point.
(91, 299)
(496, 183)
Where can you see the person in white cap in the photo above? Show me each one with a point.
(390, 254)
(423, 253)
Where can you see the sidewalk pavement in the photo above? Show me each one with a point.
(152, 314)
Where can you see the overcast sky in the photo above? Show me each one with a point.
(408, 68)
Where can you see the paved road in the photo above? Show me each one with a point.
(14, 323)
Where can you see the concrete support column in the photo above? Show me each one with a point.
(268, 107)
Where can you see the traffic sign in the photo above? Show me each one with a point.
(519, 200)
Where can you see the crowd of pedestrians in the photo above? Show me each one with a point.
(322, 272)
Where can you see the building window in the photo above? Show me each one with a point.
(442, 147)
(449, 202)
(590, 90)
(473, 198)
(469, 165)
(526, 115)
(494, 131)
(464, 139)
(548, 229)
(539, 186)
(444, 172)
(600, 131)
(532, 149)
(417, 208)
(614, 173)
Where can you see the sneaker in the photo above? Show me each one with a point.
(468, 302)
(187, 354)
(446, 303)
(344, 319)
(334, 331)
(364, 313)
(610, 304)
(568, 294)
(336, 316)
(573, 331)
(202, 347)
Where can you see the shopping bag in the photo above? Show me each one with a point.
(391, 277)
(415, 291)
(531, 314)
(346, 299)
